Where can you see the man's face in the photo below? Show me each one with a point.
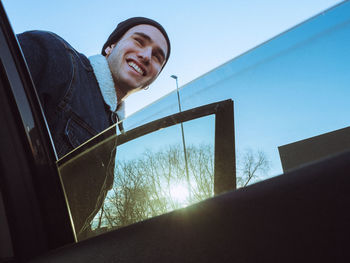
(137, 58)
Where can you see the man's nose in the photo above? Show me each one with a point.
(145, 54)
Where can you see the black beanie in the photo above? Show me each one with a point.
(124, 26)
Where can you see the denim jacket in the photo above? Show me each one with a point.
(67, 88)
(75, 111)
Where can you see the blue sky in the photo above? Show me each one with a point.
(204, 34)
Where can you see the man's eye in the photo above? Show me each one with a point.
(158, 58)
(139, 41)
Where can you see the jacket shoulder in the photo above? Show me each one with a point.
(42, 39)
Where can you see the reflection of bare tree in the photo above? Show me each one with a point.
(201, 167)
(251, 167)
(143, 186)
(127, 201)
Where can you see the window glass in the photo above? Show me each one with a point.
(150, 177)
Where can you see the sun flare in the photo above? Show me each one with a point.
(179, 193)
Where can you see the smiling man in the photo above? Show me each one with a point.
(83, 96)
(137, 59)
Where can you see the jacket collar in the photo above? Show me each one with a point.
(106, 84)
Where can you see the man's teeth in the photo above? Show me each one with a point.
(136, 67)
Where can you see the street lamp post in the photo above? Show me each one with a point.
(183, 138)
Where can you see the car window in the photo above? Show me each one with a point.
(140, 174)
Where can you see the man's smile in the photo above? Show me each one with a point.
(137, 68)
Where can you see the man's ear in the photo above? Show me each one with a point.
(109, 49)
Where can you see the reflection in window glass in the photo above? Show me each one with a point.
(86, 178)
(150, 177)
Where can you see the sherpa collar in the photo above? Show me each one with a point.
(106, 84)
